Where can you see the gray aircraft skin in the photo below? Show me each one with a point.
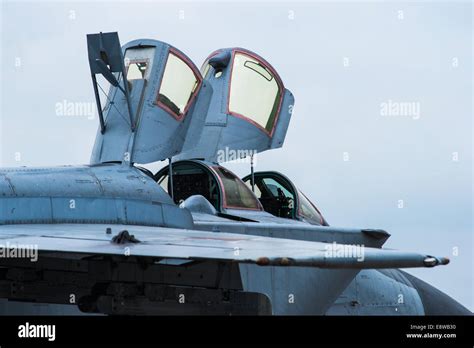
(114, 238)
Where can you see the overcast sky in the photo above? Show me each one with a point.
(344, 62)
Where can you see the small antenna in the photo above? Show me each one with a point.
(170, 174)
(252, 175)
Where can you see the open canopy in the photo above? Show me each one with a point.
(160, 106)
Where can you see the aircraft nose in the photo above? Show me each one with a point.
(434, 301)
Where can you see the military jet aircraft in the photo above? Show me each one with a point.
(111, 237)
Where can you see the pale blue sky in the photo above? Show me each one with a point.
(44, 62)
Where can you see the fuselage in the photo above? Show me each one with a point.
(116, 194)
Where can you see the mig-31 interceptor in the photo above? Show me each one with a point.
(112, 237)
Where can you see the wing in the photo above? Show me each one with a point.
(92, 239)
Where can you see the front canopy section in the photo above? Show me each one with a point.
(157, 94)
(250, 109)
(280, 197)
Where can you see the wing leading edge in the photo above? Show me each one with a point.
(171, 243)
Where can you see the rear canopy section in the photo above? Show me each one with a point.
(157, 94)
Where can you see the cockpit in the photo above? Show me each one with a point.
(163, 107)
(272, 192)
(219, 186)
(280, 197)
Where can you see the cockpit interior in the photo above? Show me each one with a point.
(272, 191)
(219, 186)
(274, 194)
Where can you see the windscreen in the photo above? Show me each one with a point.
(236, 193)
